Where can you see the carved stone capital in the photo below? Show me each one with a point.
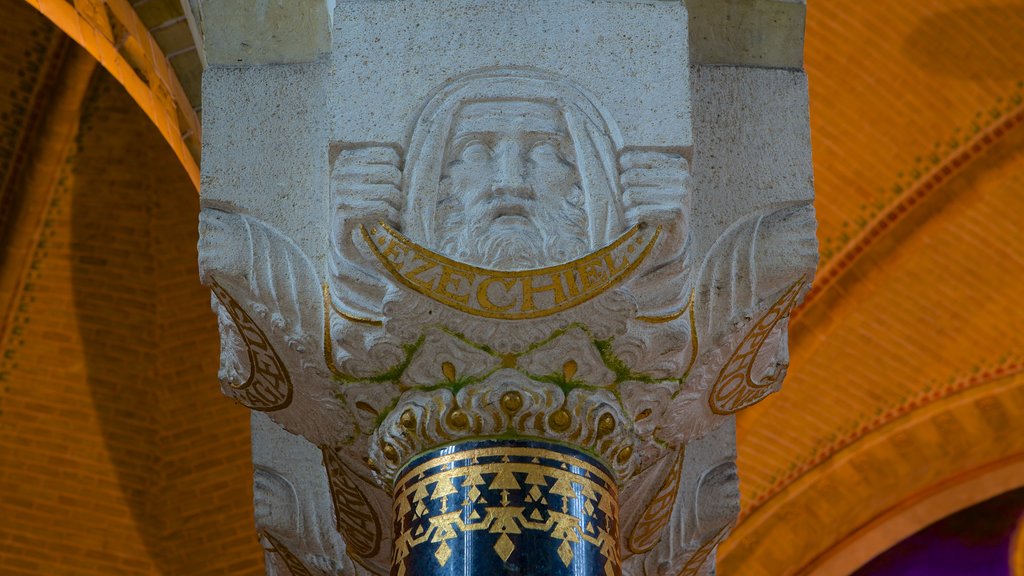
(519, 258)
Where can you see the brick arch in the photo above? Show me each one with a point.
(112, 32)
(148, 345)
(923, 509)
(938, 458)
(118, 454)
(918, 167)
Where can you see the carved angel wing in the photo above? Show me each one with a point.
(750, 281)
(268, 298)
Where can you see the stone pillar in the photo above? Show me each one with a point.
(495, 276)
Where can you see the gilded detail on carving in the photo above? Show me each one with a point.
(356, 519)
(290, 560)
(509, 500)
(509, 295)
(647, 532)
(511, 268)
(696, 561)
(268, 386)
(735, 389)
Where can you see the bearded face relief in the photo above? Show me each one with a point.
(510, 195)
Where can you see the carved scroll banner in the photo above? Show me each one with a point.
(290, 560)
(509, 295)
(735, 388)
(647, 532)
(357, 521)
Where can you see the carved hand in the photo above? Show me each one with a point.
(365, 188)
(656, 190)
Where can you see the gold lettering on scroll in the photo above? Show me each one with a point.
(735, 389)
(509, 295)
(647, 532)
(268, 387)
(357, 521)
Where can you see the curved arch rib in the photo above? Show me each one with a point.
(112, 32)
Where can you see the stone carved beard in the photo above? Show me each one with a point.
(552, 235)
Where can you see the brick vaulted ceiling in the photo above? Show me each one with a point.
(907, 373)
(905, 397)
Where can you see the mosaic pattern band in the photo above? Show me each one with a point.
(506, 507)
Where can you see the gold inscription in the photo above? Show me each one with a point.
(734, 389)
(268, 387)
(357, 521)
(647, 532)
(509, 295)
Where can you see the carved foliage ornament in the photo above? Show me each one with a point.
(517, 271)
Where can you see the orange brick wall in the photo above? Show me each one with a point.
(118, 455)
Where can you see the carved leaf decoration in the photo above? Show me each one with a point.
(647, 532)
(268, 387)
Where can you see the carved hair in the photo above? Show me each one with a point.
(595, 137)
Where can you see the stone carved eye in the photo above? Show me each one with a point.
(475, 152)
(545, 151)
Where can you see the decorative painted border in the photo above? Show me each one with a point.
(1006, 370)
(830, 270)
(515, 498)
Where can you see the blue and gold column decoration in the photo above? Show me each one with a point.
(493, 507)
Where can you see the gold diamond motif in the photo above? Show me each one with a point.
(517, 488)
(443, 553)
(535, 493)
(504, 547)
(565, 553)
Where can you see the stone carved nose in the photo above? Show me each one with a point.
(510, 178)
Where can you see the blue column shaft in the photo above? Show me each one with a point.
(494, 507)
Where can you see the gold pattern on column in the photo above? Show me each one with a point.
(438, 520)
